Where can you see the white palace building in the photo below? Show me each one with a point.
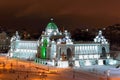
(57, 48)
(22, 49)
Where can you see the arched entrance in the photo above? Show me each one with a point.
(69, 57)
(69, 54)
(103, 52)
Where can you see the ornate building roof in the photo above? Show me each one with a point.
(100, 38)
(51, 25)
(51, 29)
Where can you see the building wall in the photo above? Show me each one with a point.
(4, 42)
(24, 49)
(82, 50)
(63, 50)
(87, 51)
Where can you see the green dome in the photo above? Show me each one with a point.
(51, 25)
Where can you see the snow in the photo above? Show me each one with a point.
(95, 72)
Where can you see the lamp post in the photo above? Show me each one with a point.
(16, 62)
(48, 67)
(108, 74)
(4, 66)
(17, 59)
(73, 74)
(30, 63)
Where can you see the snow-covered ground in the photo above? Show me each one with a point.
(107, 72)
(54, 73)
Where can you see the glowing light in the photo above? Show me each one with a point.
(87, 63)
(96, 56)
(77, 64)
(63, 64)
(85, 56)
(91, 56)
(80, 56)
(100, 62)
(112, 62)
(43, 52)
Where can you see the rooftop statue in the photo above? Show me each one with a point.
(15, 37)
(100, 38)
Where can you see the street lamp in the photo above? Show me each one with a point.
(16, 62)
(48, 67)
(73, 74)
(29, 62)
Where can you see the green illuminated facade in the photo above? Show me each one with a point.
(43, 52)
(43, 49)
(57, 48)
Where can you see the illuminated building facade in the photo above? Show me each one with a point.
(22, 49)
(4, 42)
(57, 48)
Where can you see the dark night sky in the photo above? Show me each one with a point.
(66, 13)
